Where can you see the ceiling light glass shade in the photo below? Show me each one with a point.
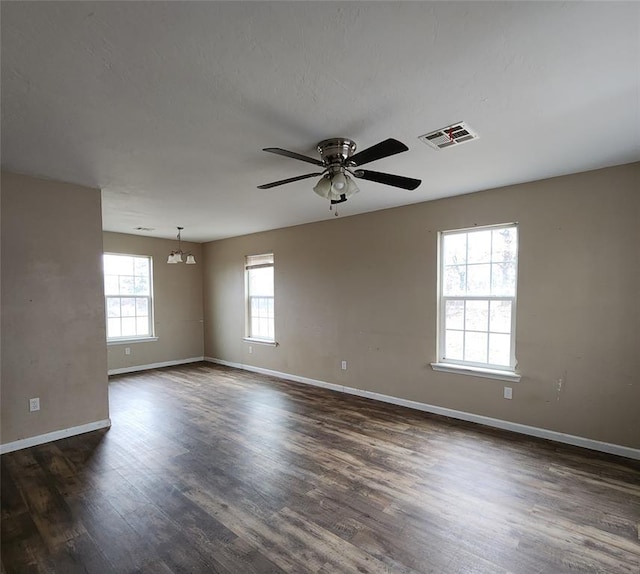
(339, 182)
(191, 260)
(351, 187)
(323, 187)
(172, 258)
(178, 257)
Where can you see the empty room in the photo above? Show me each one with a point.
(320, 287)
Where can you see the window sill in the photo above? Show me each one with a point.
(477, 372)
(260, 341)
(130, 341)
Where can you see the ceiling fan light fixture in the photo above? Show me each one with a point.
(338, 159)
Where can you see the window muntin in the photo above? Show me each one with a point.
(478, 282)
(128, 296)
(259, 282)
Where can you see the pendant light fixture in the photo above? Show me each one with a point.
(176, 256)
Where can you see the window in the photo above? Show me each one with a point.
(259, 290)
(127, 289)
(477, 303)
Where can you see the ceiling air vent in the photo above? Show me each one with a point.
(452, 135)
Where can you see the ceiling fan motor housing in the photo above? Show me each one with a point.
(335, 151)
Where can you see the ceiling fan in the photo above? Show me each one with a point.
(338, 162)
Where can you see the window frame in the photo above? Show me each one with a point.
(150, 300)
(489, 370)
(248, 267)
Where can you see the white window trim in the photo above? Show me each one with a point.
(247, 312)
(152, 323)
(268, 342)
(499, 372)
(123, 341)
(496, 374)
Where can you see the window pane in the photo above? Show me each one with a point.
(261, 281)
(455, 248)
(141, 266)
(129, 327)
(479, 247)
(454, 344)
(500, 317)
(503, 279)
(142, 326)
(499, 349)
(270, 309)
(455, 280)
(141, 285)
(111, 285)
(118, 265)
(113, 327)
(477, 316)
(478, 280)
(142, 307)
(111, 264)
(454, 315)
(126, 285)
(113, 307)
(505, 244)
(128, 307)
(475, 347)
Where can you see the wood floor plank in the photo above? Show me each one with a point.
(212, 469)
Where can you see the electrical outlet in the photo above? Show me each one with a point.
(508, 393)
(127, 350)
(34, 404)
(250, 349)
(344, 365)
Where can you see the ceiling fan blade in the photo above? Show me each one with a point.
(383, 149)
(388, 179)
(290, 180)
(292, 154)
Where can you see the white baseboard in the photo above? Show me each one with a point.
(55, 435)
(137, 368)
(609, 448)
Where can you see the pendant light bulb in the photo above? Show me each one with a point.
(338, 182)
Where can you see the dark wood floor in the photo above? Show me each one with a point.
(211, 469)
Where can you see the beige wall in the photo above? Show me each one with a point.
(53, 326)
(363, 289)
(177, 294)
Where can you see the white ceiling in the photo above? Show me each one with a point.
(166, 106)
